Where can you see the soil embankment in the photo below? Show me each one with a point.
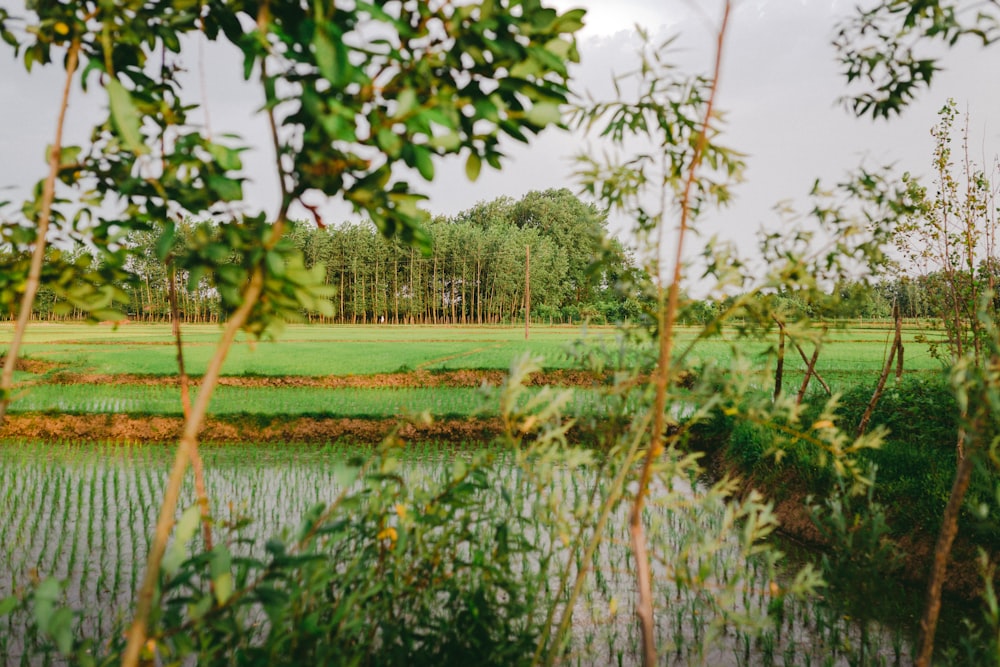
(240, 429)
(408, 380)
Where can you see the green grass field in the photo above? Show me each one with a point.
(302, 350)
(849, 356)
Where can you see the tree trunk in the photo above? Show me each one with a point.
(863, 424)
(942, 550)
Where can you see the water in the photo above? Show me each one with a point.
(85, 514)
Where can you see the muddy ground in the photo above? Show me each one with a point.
(167, 430)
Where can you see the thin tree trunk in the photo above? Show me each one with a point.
(899, 340)
(343, 312)
(863, 424)
(942, 550)
(779, 370)
(479, 292)
(527, 290)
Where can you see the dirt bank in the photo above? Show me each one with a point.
(917, 549)
(419, 378)
(167, 430)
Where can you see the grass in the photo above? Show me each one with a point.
(313, 350)
(914, 466)
(302, 350)
(373, 403)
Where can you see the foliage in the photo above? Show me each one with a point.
(347, 115)
(952, 241)
(860, 564)
(884, 47)
(359, 118)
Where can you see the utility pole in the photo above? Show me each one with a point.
(527, 290)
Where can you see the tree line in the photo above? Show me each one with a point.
(474, 273)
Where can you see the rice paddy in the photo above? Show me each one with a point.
(84, 514)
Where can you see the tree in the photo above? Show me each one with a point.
(578, 228)
(879, 49)
(343, 110)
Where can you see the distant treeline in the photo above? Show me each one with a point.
(475, 273)
(919, 297)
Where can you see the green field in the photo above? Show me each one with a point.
(302, 349)
(83, 511)
(848, 356)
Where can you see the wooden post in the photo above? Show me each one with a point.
(899, 339)
(527, 290)
(779, 369)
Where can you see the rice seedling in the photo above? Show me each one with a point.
(94, 533)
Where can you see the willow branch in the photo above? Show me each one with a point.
(137, 632)
(668, 318)
(42, 229)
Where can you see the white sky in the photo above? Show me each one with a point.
(779, 88)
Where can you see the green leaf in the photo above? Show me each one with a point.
(227, 158)
(407, 101)
(571, 21)
(62, 308)
(107, 315)
(8, 605)
(44, 598)
(345, 475)
(275, 263)
(222, 576)
(200, 608)
(458, 469)
(227, 189)
(423, 163)
(449, 141)
(69, 155)
(544, 113)
(325, 308)
(331, 56)
(186, 528)
(60, 628)
(165, 243)
(473, 165)
(125, 117)
(390, 142)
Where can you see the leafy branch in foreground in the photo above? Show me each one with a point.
(883, 48)
(344, 110)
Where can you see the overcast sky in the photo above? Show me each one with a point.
(779, 87)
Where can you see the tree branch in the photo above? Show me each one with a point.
(44, 218)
